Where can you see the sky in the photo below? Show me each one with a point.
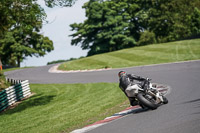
(58, 30)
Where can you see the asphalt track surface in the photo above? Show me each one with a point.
(180, 115)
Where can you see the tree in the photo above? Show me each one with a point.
(65, 3)
(17, 46)
(116, 24)
(21, 31)
(169, 19)
(10, 10)
(20, 25)
(110, 26)
(195, 22)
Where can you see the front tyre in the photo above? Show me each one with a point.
(147, 101)
(165, 101)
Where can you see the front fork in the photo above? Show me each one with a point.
(158, 96)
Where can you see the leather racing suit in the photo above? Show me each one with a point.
(126, 81)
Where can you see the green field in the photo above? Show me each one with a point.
(58, 108)
(137, 56)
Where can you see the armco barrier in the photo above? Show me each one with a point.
(13, 94)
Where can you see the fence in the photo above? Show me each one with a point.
(13, 94)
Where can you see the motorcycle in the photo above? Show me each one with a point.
(148, 96)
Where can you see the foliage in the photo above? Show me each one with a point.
(20, 37)
(195, 22)
(20, 25)
(55, 62)
(147, 38)
(138, 56)
(16, 46)
(109, 27)
(170, 20)
(60, 61)
(12, 11)
(21, 13)
(62, 3)
(116, 24)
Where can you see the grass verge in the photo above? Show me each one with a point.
(3, 83)
(144, 55)
(63, 107)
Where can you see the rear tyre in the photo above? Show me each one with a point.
(147, 101)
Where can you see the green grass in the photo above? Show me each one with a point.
(137, 56)
(63, 107)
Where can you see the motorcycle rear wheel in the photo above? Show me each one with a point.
(144, 100)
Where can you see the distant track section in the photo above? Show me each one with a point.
(41, 74)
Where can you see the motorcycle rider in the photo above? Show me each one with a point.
(127, 83)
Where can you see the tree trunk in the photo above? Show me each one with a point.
(18, 61)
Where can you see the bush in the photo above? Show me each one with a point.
(55, 62)
(3, 83)
(146, 37)
(61, 61)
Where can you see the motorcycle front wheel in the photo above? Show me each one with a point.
(147, 100)
(165, 101)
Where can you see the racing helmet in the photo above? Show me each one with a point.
(121, 73)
